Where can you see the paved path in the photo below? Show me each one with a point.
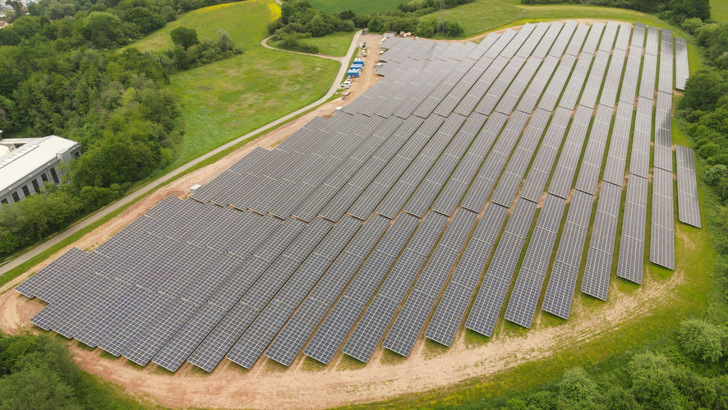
(154, 184)
(264, 43)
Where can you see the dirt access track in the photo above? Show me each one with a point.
(307, 384)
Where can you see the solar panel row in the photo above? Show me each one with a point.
(662, 239)
(687, 187)
(489, 300)
(630, 264)
(529, 283)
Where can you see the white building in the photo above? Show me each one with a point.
(27, 163)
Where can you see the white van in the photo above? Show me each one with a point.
(346, 84)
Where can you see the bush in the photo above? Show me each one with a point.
(36, 372)
(702, 340)
(577, 390)
(184, 37)
(651, 376)
(692, 25)
(292, 41)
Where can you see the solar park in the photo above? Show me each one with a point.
(473, 183)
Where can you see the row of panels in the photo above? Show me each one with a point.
(358, 229)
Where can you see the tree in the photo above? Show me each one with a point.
(716, 174)
(35, 387)
(145, 19)
(577, 390)
(682, 9)
(224, 42)
(181, 61)
(701, 340)
(8, 37)
(703, 89)
(651, 377)
(103, 30)
(184, 37)
(346, 15)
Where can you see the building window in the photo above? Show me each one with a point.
(26, 192)
(36, 187)
(4, 201)
(16, 198)
(44, 177)
(54, 175)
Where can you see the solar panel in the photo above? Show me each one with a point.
(372, 325)
(591, 164)
(541, 168)
(560, 289)
(565, 170)
(592, 40)
(456, 298)
(578, 76)
(327, 339)
(416, 309)
(687, 187)
(632, 242)
(662, 239)
(487, 306)
(556, 86)
(619, 144)
(529, 282)
(601, 248)
(682, 68)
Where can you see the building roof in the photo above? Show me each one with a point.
(31, 156)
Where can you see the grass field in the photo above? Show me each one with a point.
(358, 6)
(229, 98)
(336, 44)
(719, 10)
(484, 15)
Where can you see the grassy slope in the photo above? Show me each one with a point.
(719, 10)
(224, 100)
(359, 6)
(336, 44)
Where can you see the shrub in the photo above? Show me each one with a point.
(701, 340)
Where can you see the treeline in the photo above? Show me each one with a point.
(689, 371)
(299, 20)
(672, 10)
(36, 372)
(189, 52)
(103, 24)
